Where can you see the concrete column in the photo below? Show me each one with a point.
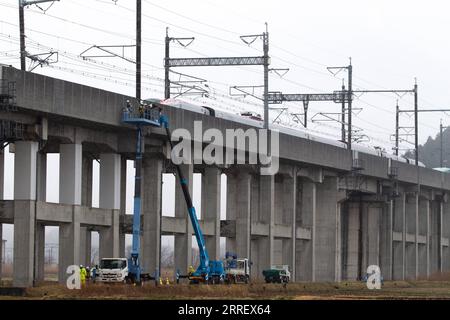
(230, 244)
(1, 250)
(386, 240)
(289, 204)
(183, 242)
(427, 235)
(86, 181)
(211, 183)
(411, 247)
(41, 194)
(110, 181)
(2, 174)
(399, 245)
(445, 227)
(70, 174)
(305, 218)
(69, 244)
(40, 252)
(24, 212)
(151, 201)
(267, 216)
(109, 238)
(24, 237)
(123, 203)
(110, 199)
(440, 233)
(2, 181)
(41, 177)
(85, 246)
(370, 236)
(351, 241)
(243, 227)
(25, 170)
(328, 230)
(417, 232)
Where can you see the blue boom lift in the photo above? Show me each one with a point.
(209, 271)
(141, 118)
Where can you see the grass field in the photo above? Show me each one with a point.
(294, 291)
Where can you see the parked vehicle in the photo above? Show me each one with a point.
(277, 274)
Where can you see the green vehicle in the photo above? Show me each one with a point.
(277, 274)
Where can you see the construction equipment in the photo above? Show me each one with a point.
(209, 271)
(237, 270)
(143, 116)
(277, 274)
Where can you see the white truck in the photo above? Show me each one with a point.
(112, 270)
(237, 270)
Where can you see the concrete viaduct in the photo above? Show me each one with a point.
(318, 214)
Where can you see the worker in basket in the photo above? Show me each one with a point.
(141, 110)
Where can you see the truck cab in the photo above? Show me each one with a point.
(277, 274)
(112, 270)
(237, 270)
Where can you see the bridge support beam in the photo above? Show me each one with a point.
(412, 208)
(110, 199)
(70, 186)
(399, 238)
(2, 181)
(40, 252)
(123, 203)
(211, 183)
(69, 244)
(151, 199)
(239, 196)
(86, 200)
(24, 212)
(85, 246)
(435, 237)
(305, 217)
(109, 238)
(263, 246)
(288, 206)
(183, 242)
(386, 240)
(328, 231)
(422, 238)
(445, 236)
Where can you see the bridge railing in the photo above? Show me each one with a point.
(150, 114)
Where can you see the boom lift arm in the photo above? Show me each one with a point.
(203, 269)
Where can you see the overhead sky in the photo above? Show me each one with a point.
(390, 42)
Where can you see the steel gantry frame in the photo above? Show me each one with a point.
(23, 52)
(221, 61)
(415, 127)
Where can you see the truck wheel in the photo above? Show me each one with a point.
(246, 280)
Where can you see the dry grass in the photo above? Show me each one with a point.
(329, 290)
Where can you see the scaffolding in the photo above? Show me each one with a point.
(8, 95)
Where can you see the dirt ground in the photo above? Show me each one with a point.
(436, 289)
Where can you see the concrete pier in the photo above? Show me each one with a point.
(24, 212)
(211, 188)
(183, 242)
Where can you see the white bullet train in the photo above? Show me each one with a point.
(255, 120)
